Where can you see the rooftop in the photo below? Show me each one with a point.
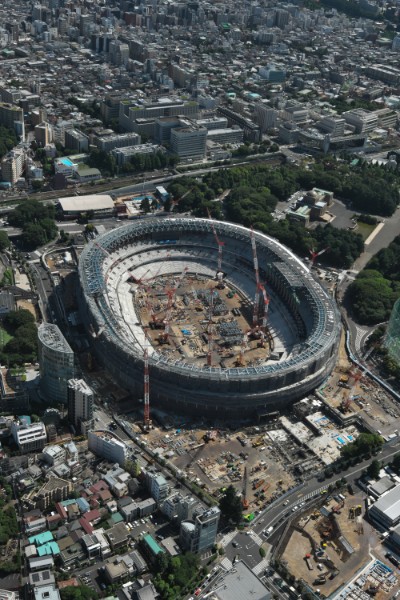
(241, 583)
(51, 337)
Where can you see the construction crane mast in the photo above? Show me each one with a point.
(146, 392)
(245, 502)
(257, 274)
(209, 331)
(219, 243)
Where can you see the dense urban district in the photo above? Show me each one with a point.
(199, 300)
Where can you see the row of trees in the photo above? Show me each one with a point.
(377, 287)
(140, 163)
(365, 445)
(36, 221)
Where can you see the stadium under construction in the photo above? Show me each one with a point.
(224, 320)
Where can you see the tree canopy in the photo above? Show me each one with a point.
(365, 444)
(36, 220)
(8, 140)
(175, 574)
(22, 347)
(377, 287)
(231, 505)
(81, 592)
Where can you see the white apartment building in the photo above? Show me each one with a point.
(54, 455)
(12, 166)
(29, 437)
(105, 445)
(80, 400)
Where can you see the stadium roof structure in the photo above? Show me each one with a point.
(84, 203)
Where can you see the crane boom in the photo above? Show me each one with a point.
(219, 243)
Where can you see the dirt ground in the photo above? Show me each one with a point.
(356, 531)
(190, 322)
(222, 461)
(25, 304)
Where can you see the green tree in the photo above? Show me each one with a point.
(145, 205)
(81, 592)
(4, 241)
(374, 469)
(231, 505)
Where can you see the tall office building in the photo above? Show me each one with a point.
(56, 360)
(265, 116)
(43, 134)
(80, 405)
(199, 535)
(189, 143)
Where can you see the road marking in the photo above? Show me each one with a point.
(261, 566)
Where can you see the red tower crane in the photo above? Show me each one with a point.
(314, 254)
(219, 243)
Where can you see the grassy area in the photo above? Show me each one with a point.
(8, 277)
(4, 338)
(365, 229)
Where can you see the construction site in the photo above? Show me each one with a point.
(204, 321)
(221, 318)
(328, 544)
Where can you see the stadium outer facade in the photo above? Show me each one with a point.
(183, 387)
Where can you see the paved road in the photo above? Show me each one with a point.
(386, 235)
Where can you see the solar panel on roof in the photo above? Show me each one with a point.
(35, 577)
(46, 574)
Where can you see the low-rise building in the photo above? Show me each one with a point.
(386, 511)
(117, 536)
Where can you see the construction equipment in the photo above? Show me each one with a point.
(307, 558)
(257, 484)
(314, 254)
(245, 502)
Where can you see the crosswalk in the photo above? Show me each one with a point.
(261, 566)
(226, 564)
(256, 538)
(228, 538)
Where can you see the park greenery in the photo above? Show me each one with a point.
(253, 195)
(8, 524)
(138, 163)
(377, 287)
(4, 241)
(36, 220)
(80, 592)
(8, 140)
(22, 347)
(231, 506)
(365, 445)
(176, 575)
